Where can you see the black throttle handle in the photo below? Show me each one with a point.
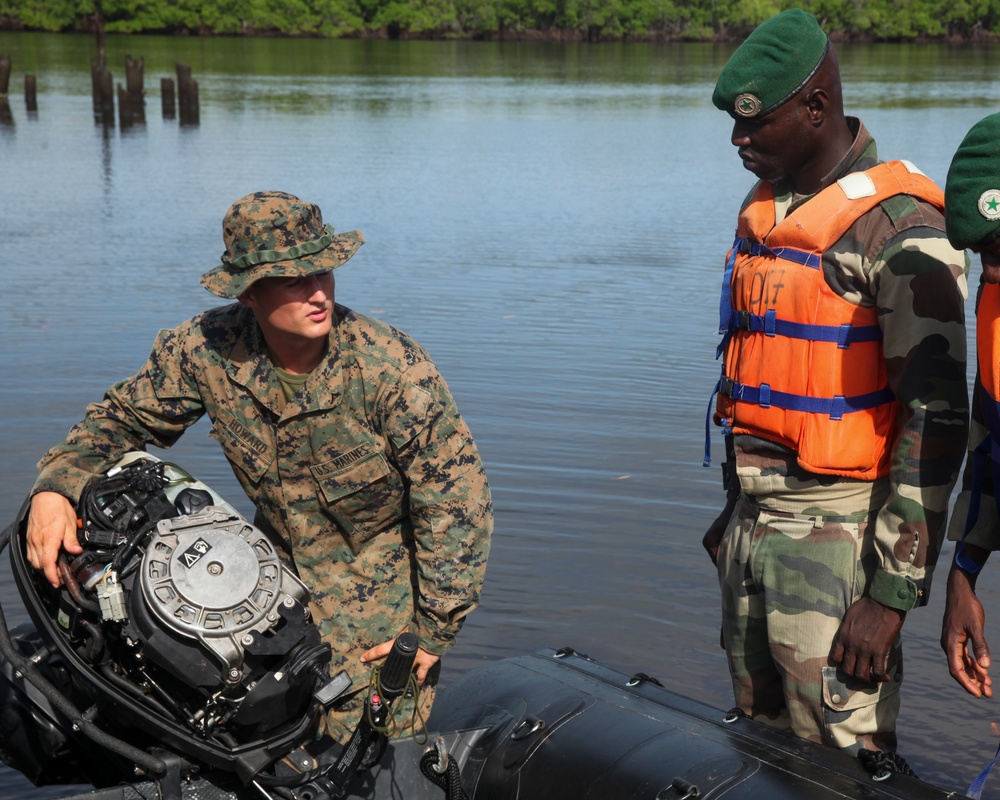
(398, 665)
(367, 743)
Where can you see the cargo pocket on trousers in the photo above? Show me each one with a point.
(851, 707)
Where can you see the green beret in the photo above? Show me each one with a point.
(972, 192)
(772, 65)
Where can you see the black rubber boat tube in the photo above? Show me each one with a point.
(29, 670)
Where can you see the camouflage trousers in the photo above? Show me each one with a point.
(787, 580)
(404, 721)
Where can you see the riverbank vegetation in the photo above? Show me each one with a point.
(592, 20)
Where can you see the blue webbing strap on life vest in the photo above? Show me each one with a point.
(769, 324)
(726, 298)
(743, 245)
(725, 313)
(806, 259)
(730, 321)
(707, 462)
(834, 407)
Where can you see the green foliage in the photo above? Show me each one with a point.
(886, 20)
(415, 16)
(48, 15)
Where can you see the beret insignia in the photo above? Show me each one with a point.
(989, 204)
(747, 105)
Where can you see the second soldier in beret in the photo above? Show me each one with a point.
(972, 199)
(842, 396)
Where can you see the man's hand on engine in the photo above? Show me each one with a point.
(51, 527)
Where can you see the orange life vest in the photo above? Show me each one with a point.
(988, 348)
(804, 366)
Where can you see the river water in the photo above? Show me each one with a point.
(548, 220)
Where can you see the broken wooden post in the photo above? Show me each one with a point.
(96, 69)
(126, 110)
(131, 98)
(167, 97)
(4, 75)
(106, 107)
(102, 86)
(187, 95)
(133, 76)
(30, 93)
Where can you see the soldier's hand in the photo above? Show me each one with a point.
(422, 662)
(51, 527)
(867, 632)
(963, 637)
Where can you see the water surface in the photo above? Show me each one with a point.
(548, 220)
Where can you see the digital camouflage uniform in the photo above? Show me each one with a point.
(369, 476)
(801, 548)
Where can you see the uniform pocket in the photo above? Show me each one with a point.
(365, 497)
(244, 449)
(842, 694)
(853, 709)
(858, 706)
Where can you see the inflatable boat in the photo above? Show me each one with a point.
(178, 662)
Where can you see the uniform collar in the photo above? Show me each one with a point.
(861, 155)
(251, 367)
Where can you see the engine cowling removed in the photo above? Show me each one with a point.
(178, 627)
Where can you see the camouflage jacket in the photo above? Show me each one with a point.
(369, 475)
(985, 531)
(897, 259)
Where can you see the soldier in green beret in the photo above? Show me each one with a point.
(339, 428)
(842, 398)
(972, 197)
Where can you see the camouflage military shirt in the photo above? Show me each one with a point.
(985, 531)
(369, 475)
(897, 259)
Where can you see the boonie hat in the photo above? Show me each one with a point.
(772, 65)
(972, 190)
(274, 235)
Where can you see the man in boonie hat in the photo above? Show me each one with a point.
(972, 199)
(339, 428)
(276, 235)
(842, 395)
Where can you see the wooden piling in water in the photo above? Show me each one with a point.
(131, 97)
(4, 75)
(127, 112)
(102, 87)
(30, 93)
(167, 97)
(187, 95)
(134, 68)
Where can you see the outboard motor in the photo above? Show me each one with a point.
(178, 630)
